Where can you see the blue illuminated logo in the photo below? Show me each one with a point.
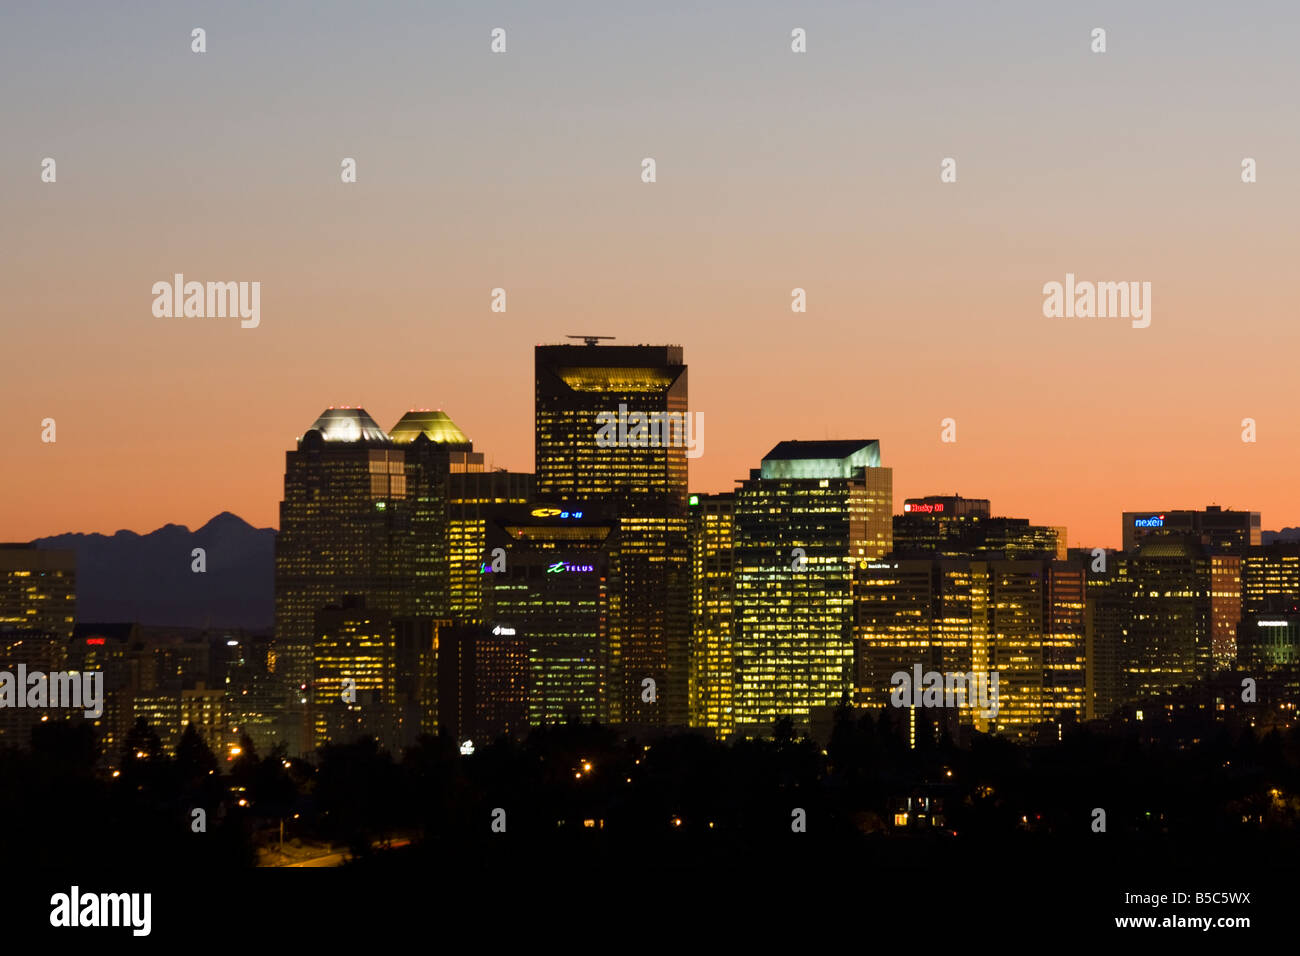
(1155, 521)
(555, 513)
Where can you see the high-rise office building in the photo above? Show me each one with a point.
(803, 522)
(1022, 619)
(38, 589)
(1225, 607)
(434, 449)
(910, 611)
(255, 697)
(1270, 578)
(1170, 609)
(1106, 625)
(953, 527)
(108, 648)
(346, 529)
(354, 677)
(37, 651)
(575, 384)
(482, 682)
(553, 593)
(1064, 641)
(415, 643)
(613, 429)
(475, 500)
(1219, 531)
(712, 524)
(1269, 650)
(204, 708)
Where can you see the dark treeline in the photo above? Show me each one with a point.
(587, 788)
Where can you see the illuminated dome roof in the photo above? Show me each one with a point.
(349, 424)
(434, 424)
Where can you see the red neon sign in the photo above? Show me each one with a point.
(94, 640)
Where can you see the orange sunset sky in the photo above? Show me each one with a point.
(775, 170)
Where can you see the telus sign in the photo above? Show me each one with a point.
(1155, 521)
(560, 566)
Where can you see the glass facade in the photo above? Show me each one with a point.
(797, 543)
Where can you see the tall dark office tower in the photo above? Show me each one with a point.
(1106, 627)
(578, 383)
(804, 520)
(108, 648)
(482, 683)
(554, 594)
(346, 529)
(613, 430)
(712, 605)
(1169, 640)
(255, 697)
(1219, 531)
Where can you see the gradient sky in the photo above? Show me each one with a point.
(775, 170)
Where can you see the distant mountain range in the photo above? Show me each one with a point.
(147, 577)
(1286, 534)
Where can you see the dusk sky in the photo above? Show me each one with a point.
(775, 170)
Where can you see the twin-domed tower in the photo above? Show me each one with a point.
(363, 528)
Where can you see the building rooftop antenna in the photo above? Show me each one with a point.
(589, 339)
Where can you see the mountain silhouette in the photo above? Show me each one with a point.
(1286, 534)
(148, 577)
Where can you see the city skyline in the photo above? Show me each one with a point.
(667, 464)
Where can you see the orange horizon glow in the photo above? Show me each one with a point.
(774, 172)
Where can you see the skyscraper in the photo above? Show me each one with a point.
(712, 527)
(482, 682)
(637, 469)
(434, 448)
(576, 384)
(348, 528)
(475, 500)
(553, 593)
(952, 526)
(1220, 531)
(1170, 604)
(804, 520)
(354, 681)
(1225, 607)
(1022, 619)
(1270, 577)
(38, 590)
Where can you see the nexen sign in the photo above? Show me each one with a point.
(1155, 521)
